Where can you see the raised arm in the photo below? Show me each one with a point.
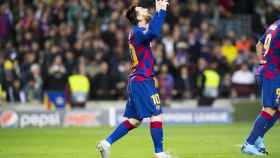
(155, 23)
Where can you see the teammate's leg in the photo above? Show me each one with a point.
(270, 99)
(261, 124)
(275, 118)
(260, 127)
(260, 140)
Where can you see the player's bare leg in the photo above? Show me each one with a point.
(104, 146)
(269, 110)
(157, 136)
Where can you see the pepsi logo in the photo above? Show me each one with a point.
(8, 119)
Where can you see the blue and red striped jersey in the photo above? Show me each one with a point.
(142, 58)
(271, 52)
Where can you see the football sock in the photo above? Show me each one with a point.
(157, 136)
(260, 126)
(275, 118)
(120, 131)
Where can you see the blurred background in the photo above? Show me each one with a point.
(74, 53)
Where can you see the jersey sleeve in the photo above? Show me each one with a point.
(154, 29)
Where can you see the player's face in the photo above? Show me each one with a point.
(143, 14)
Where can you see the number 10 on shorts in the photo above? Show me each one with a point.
(156, 100)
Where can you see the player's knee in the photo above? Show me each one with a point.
(269, 110)
(157, 118)
(136, 123)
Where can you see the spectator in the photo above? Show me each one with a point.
(243, 82)
(35, 83)
(2, 95)
(94, 32)
(166, 83)
(226, 7)
(243, 45)
(11, 84)
(78, 88)
(28, 21)
(57, 75)
(210, 85)
(55, 84)
(2, 78)
(101, 87)
(243, 75)
(229, 50)
(1, 70)
(200, 78)
(5, 22)
(13, 87)
(225, 87)
(182, 84)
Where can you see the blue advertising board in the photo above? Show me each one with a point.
(200, 115)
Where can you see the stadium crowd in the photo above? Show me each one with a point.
(202, 52)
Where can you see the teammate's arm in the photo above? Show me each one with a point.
(260, 49)
(155, 23)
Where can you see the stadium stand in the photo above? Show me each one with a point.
(43, 42)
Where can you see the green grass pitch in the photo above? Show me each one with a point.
(190, 141)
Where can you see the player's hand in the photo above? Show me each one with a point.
(161, 5)
(261, 60)
(158, 5)
(164, 4)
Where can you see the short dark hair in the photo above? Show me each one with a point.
(131, 15)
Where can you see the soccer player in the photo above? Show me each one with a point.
(143, 98)
(269, 78)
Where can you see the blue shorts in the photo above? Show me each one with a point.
(270, 91)
(143, 100)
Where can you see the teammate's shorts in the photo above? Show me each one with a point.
(143, 100)
(270, 91)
